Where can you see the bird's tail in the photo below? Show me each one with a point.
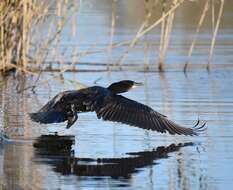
(48, 117)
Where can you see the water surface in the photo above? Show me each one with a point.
(109, 155)
(103, 155)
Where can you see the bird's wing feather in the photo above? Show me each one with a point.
(120, 109)
(58, 102)
(55, 111)
(48, 117)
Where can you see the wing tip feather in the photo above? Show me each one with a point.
(47, 117)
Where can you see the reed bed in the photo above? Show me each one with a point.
(19, 21)
(166, 22)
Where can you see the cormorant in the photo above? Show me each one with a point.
(108, 105)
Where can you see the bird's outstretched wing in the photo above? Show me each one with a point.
(48, 117)
(55, 111)
(120, 109)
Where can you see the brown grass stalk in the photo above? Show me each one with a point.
(19, 20)
(132, 44)
(213, 14)
(165, 37)
(162, 33)
(213, 41)
(201, 20)
(144, 30)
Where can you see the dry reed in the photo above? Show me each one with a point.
(203, 15)
(144, 30)
(166, 28)
(215, 31)
(18, 21)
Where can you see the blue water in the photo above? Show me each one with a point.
(204, 163)
(103, 155)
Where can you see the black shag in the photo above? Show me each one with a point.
(108, 105)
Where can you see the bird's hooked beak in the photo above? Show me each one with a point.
(136, 84)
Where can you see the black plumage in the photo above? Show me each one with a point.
(109, 105)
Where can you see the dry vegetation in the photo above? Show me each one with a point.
(19, 20)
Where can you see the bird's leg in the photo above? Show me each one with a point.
(71, 120)
(72, 117)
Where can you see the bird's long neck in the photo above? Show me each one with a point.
(118, 87)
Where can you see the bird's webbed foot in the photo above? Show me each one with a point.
(71, 117)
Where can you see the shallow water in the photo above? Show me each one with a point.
(103, 155)
(108, 155)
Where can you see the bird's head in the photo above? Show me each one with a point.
(123, 86)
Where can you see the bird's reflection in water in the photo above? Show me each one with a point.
(57, 151)
(54, 146)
